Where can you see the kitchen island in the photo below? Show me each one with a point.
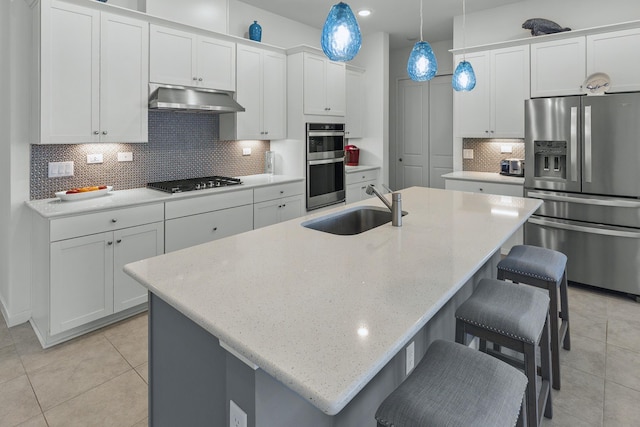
(301, 327)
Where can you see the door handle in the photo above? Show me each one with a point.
(587, 143)
(574, 143)
(399, 160)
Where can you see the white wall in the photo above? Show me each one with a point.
(374, 146)
(505, 22)
(276, 30)
(15, 45)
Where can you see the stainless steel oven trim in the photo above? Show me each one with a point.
(325, 162)
(325, 133)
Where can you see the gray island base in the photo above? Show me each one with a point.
(271, 319)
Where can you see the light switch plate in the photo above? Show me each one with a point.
(246, 151)
(467, 153)
(411, 357)
(59, 169)
(506, 149)
(125, 157)
(237, 417)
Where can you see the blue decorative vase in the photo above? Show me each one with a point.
(341, 38)
(255, 31)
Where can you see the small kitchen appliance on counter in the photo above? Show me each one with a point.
(512, 167)
(191, 184)
(352, 155)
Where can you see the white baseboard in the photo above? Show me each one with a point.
(16, 319)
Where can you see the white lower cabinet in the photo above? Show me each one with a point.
(198, 220)
(357, 183)
(277, 203)
(474, 186)
(78, 282)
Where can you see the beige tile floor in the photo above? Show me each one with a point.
(101, 379)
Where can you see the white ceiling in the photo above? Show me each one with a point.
(399, 18)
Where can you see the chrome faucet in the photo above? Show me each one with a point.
(395, 207)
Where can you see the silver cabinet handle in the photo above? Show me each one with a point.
(574, 143)
(104, 132)
(215, 229)
(616, 203)
(109, 243)
(195, 78)
(200, 79)
(114, 220)
(119, 241)
(95, 132)
(591, 230)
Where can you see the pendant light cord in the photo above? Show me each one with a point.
(464, 30)
(421, 1)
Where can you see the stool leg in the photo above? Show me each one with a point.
(545, 362)
(460, 332)
(531, 394)
(555, 338)
(564, 312)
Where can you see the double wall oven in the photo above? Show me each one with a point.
(325, 164)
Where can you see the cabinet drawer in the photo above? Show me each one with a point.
(271, 192)
(99, 222)
(193, 230)
(210, 203)
(368, 175)
(485, 187)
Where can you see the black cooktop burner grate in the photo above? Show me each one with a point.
(191, 184)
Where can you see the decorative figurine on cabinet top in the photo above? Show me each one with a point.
(255, 31)
(541, 26)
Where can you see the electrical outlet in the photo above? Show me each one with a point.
(411, 357)
(467, 153)
(59, 169)
(125, 157)
(237, 417)
(94, 158)
(246, 151)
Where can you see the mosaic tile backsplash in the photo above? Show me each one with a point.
(487, 155)
(181, 145)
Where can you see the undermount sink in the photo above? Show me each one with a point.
(351, 221)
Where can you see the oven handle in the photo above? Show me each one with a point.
(325, 162)
(319, 133)
(591, 230)
(617, 203)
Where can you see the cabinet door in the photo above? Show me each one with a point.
(473, 113)
(353, 192)
(558, 67)
(124, 79)
(266, 213)
(81, 281)
(249, 93)
(274, 96)
(611, 53)
(70, 62)
(355, 105)
(291, 207)
(336, 88)
(216, 64)
(510, 88)
(172, 56)
(314, 85)
(130, 245)
(196, 229)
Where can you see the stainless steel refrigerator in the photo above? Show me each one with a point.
(582, 157)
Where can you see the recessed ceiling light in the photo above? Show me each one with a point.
(364, 12)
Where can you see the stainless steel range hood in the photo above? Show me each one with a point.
(181, 98)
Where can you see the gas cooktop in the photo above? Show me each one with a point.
(192, 184)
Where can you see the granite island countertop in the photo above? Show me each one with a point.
(291, 299)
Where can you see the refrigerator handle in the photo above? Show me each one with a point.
(574, 143)
(616, 203)
(587, 143)
(591, 230)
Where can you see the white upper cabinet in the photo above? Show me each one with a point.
(261, 90)
(93, 77)
(495, 107)
(186, 59)
(615, 54)
(558, 67)
(324, 86)
(355, 105)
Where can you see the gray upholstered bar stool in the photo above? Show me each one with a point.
(516, 317)
(546, 269)
(454, 385)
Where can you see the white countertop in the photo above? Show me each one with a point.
(485, 177)
(291, 299)
(359, 168)
(51, 208)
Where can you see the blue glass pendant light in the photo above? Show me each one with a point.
(422, 64)
(464, 78)
(341, 38)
